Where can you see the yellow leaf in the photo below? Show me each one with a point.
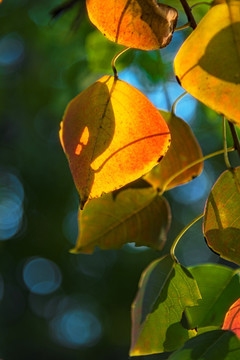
(112, 135)
(183, 151)
(141, 24)
(208, 63)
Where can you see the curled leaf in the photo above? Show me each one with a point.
(141, 24)
(112, 135)
(222, 216)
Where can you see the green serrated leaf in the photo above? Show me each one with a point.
(166, 289)
(217, 344)
(219, 287)
(222, 216)
(133, 215)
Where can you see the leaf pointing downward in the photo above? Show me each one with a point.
(183, 151)
(133, 215)
(141, 24)
(207, 64)
(112, 135)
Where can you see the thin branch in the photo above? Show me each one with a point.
(235, 137)
(188, 12)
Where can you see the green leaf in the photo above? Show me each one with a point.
(219, 287)
(183, 151)
(212, 345)
(133, 215)
(166, 289)
(222, 216)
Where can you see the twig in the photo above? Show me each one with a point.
(235, 137)
(188, 12)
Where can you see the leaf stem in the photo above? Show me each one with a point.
(226, 159)
(182, 27)
(115, 59)
(202, 3)
(173, 247)
(173, 111)
(219, 152)
(235, 137)
(188, 12)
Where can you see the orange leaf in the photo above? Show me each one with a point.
(207, 63)
(141, 24)
(232, 318)
(112, 135)
(183, 151)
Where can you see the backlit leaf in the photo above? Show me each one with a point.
(184, 149)
(219, 287)
(207, 64)
(141, 24)
(166, 289)
(112, 135)
(232, 319)
(133, 215)
(212, 345)
(222, 216)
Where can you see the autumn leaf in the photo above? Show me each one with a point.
(183, 151)
(232, 318)
(212, 345)
(141, 24)
(207, 64)
(112, 135)
(166, 289)
(133, 215)
(222, 216)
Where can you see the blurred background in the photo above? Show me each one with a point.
(53, 304)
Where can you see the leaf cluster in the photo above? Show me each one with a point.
(113, 136)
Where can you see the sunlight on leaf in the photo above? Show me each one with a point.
(141, 24)
(112, 135)
(184, 149)
(232, 319)
(132, 215)
(222, 216)
(166, 289)
(212, 345)
(207, 64)
(219, 287)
